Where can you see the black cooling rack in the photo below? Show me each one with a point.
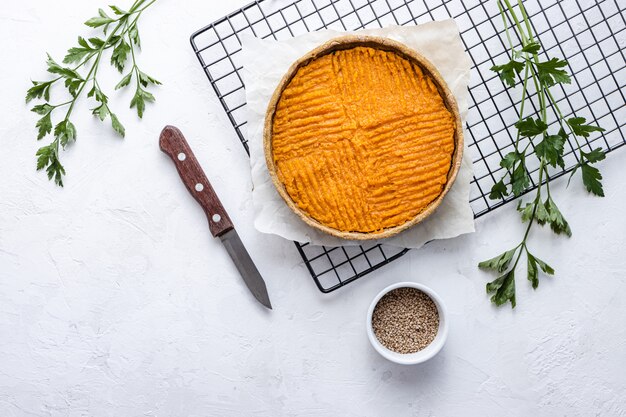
(590, 35)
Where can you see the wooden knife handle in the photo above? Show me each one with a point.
(173, 143)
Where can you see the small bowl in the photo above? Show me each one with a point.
(420, 356)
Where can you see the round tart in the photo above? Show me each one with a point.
(363, 138)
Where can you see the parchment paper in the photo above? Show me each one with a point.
(264, 64)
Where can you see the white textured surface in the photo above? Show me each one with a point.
(115, 301)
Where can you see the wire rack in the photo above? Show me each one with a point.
(590, 35)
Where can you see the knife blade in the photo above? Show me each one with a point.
(174, 144)
(245, 266)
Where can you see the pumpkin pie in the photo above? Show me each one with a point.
(363, 138)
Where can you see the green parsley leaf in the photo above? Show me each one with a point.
(510, 159)
(508, 71)
(541, 214)
(503, 288)
(117, 126)
(100, 96)
(82, 42)
(139, 100)
(550, 72)
(134, 36)
(73, 85)
(43, 154)
(581, 129)
(526, 211)
(530, 127)
(120, 55)
(500, 262)
(498, 191)
(100, 20)
(533, 271)
(529, 211)
(558, 224)
(44, 126)
(124, 81)
(591, 179)
(42, 109)
(77, 54)
(65, 132)
(47, 157)
(531, 47)
(595, 155)
(547, 269)
(97, 42)
(101, 112)
(519, 179)
(551, 148)
(64, 72)
(39, 90)
(145, 79)
(117, 10)
(591, 175)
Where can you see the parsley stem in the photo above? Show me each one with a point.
(61, 104)
(536, 202)
(526, 20)
(54, 80)
(122, 22)
(550, 151)
(544, 90)
(561, 117)
(522, 103)
(506, 26)
(540, 94)
(525, 82)
(548, 183)
(94, 68)
(135, 6)
(556, 108)
(88, 56)
(520, 29)
(145, 7)
(132, 52)
(519, 254)
(91, 75)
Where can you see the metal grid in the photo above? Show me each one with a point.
(566, 28)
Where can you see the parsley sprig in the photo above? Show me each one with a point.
(548, 147)
(78, 74)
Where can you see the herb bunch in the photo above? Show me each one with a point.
(548, 147)
(79, 75)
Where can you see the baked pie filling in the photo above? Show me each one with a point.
(362, 139)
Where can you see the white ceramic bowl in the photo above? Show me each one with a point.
(424, 354)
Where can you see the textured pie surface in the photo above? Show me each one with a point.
(362, 140)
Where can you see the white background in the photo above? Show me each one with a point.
(116, 301)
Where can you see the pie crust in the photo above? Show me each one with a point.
(363, 138)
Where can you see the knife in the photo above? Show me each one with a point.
(173, 143)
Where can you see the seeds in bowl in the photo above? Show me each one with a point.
(405, 320)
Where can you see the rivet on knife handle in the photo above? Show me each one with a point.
(173, 143)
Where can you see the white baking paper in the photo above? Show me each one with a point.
(264, 64)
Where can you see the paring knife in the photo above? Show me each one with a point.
(173, 143)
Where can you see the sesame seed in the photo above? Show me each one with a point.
(405, 320)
